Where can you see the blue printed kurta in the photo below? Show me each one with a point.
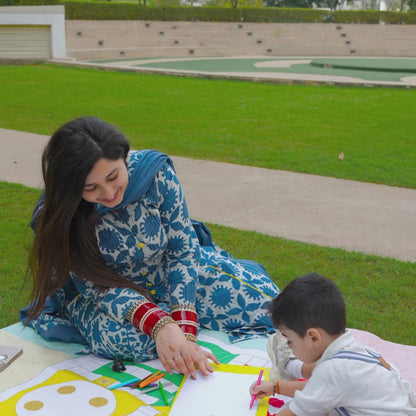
(152, 242)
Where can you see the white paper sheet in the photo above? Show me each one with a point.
(218, 394)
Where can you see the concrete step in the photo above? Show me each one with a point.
(162, 52)
(115, 39)
(116, 42)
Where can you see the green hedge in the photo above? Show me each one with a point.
(103, 11)
(356, 16)
(283, 15)
(127, 11)
(110, 10)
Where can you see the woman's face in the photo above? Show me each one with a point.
(106, 182)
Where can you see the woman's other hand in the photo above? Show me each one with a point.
(180, 354)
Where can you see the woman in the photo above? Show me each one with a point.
(117, 263)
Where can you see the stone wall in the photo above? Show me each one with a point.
(94, 40)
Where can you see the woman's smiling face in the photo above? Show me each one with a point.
(106, 183)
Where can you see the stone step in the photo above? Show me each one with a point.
(133, 41)
(154, 52)
(115, 39)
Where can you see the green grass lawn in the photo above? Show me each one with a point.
(292, 127)
(379, 292)
(297, 128)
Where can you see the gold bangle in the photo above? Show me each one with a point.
(190, 337)
(133, 309)
(161, 323)
(183, 307)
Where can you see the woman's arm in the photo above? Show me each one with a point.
(176, 344)
(181, 256)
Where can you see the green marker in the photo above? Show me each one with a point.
(163, 393)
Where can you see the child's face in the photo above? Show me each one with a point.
(306, 348)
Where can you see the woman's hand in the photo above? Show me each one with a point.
(265, 388)
(179, 354)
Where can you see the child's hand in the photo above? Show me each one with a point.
(265, 388)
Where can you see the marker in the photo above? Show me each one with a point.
(162, 390)
(253, 397)
(151, 375)
(152, 379)
(125, 383)
(147, 390)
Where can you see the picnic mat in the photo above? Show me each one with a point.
(25, 386)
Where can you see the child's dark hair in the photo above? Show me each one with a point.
(310, 301)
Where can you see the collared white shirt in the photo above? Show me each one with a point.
(360, 388)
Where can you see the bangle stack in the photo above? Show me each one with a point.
(148, 318)
(186, 318)
(133, 309)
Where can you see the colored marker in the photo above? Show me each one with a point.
(152, 379)
(253, 397)
(124, 383)
(147, 389)
(133, 386)
(162, 390)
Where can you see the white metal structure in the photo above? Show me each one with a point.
(32, 32)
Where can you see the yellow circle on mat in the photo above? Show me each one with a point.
(98, 401)
(33, 405)
(66, 389)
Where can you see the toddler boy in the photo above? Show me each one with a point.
(348, 378)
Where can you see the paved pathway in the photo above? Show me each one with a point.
(356, 216)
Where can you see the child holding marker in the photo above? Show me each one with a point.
(348, 378)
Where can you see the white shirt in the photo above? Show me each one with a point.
(360, 388)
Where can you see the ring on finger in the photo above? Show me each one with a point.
(177, 357)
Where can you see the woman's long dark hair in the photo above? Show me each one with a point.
(65, 238)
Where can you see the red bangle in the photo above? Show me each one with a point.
(146, 316)
(187, 321)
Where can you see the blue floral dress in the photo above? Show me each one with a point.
(152, 241)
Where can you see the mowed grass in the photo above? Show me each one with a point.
(297, 128)
(292, 127)
(379, 292)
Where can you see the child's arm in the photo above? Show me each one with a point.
(285, 387)
(288, 388)
(286, 412)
